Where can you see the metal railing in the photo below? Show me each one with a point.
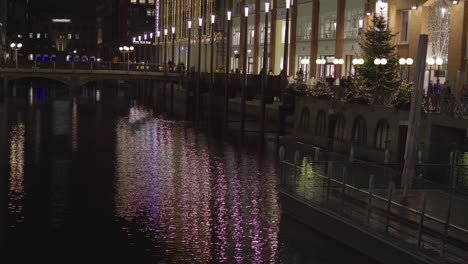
(429, 221)
(102, 65)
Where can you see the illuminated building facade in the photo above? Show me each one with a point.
(325, 30)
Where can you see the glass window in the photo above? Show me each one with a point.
(404, 26)
(133, 1)
(360, 131)
(69, 36)
(77, 36)
(339, 127)
(321, 124)
(304, 122)
(381, 134)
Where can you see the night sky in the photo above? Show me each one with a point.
(65, 7)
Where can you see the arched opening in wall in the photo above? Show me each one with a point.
(304, 121)
(339, 127)
(321, 124)
(360, 131)
(382, 133)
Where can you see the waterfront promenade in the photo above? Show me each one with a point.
(429, 223)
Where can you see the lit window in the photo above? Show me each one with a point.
(141, 1)
(150, 1)
(31, 35)
(150, 12)
(20, 36)
(77, 36)
(38, 36)
(133, 1)
(69, 36)
(46, 35)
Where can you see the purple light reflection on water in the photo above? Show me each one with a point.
(197, 201)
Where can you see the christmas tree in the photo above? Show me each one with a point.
(321, 90)
(377, 44)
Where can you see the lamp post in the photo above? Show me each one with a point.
(139, 48)
(286, 39)
(409, 62)
(430, 62)
(357, 61)
(438, 62)
(265, 72)
(228, 66)
(165, 50)
(244, 68)
(378, 62)
(121, 49)
(212, 49)
(173, 47)
(339, 63)
(320, 62)
(16, 47)
(306, 63)
(145, 58)
(403, 62)
(189, 25)
(158, 57)
(197, 92)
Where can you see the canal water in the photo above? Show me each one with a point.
(104, 178)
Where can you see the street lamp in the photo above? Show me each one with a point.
(286, 39)
(265, 71)
(378, 62)
(244, 67)
(200, 28)
(321, 62)
(228, 66)
(16, 47)
(339, 62)
(165, 50)
(173, 47)
(145, 37)
(403, 62)
(139, 48)
(158, 54)
(189, 25)
(357, 61)
(438, 62)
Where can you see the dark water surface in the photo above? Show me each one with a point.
(110, 181)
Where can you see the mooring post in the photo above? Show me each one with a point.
(329, 175)
(343, 189)
(391, 187)
(421, 220)
(369, 201)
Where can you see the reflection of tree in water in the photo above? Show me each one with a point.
(308, 185)
(438, 27)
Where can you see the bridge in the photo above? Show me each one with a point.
(72, 76)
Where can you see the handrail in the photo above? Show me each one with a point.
(465, 231)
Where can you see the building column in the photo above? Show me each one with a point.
(242, 22)
(314, 37)
(273, 34)
(292, 40)
(256, 36)
(457, 47)
(340, 19)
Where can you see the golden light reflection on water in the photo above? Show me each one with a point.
(197, 201)
(16, 142)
